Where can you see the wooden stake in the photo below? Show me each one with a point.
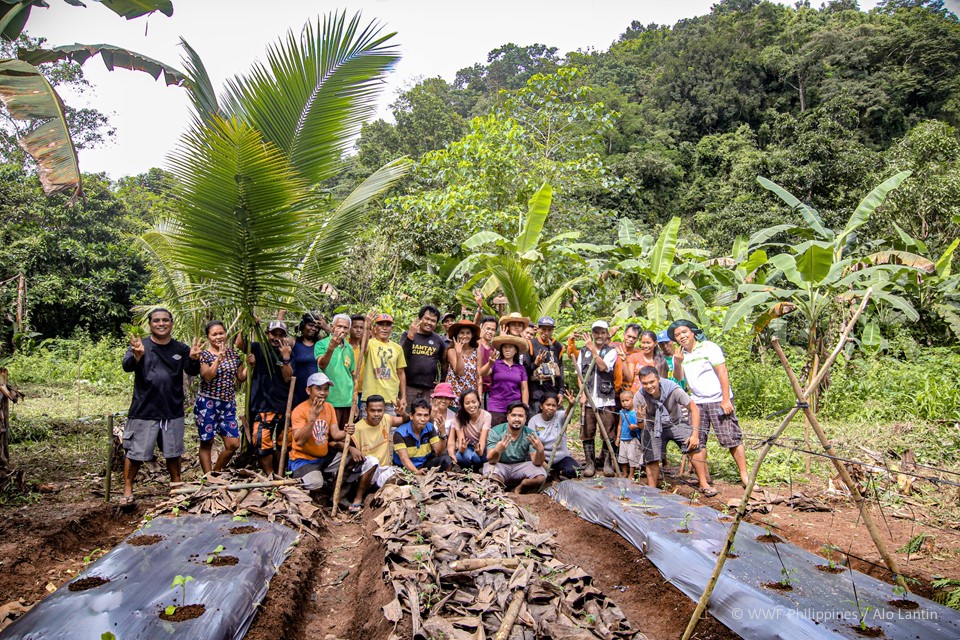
(473, 564)
(353, 416)
(108, 476)
(603, 432)
(511, 615)
(182, 491)
(751, 481)
(286, 427)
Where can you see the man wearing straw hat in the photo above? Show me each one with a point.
(702, 365)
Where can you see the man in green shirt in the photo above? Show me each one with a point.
(336, 359)
(514, 452)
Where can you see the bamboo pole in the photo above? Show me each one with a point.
(603, 432)
(888, 559)
(748, 490)
(511, 615)
(182, 491)
(566, 423)
(473, 564)
(286, 426)
(353, 416)
(108, 476)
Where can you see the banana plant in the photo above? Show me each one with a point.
(813, 277)
(28, 96)
(507, 264)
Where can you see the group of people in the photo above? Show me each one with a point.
(483, 394)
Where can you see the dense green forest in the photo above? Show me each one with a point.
(657, 141)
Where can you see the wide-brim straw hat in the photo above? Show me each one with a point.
(463, 324)
(514, 317)
(522, 345)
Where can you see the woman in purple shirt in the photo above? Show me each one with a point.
(508, 378)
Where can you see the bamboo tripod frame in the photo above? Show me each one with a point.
(802, 395)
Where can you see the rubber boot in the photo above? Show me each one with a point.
(589, 469)
(608, 470)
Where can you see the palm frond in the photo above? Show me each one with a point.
(315, 91)
(516, 283)
(199, 87)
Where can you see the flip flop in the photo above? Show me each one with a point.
(708, 492)
(356, 507)
(128, 502)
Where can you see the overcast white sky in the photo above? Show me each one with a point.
(437, 38)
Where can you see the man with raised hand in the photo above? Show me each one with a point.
(158, 363)
(545, 365)
(669, 415)
(702, 365)
(314, 427)
(272, 370)
(424, 350)
(515, 455)
(602, 389)
(418, 444)
(384, 367)
(336, 360)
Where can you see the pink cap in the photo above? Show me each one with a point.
(443, 390)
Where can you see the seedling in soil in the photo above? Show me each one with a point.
(146, 521)
(89, 558)
(685, 523)
(241, 516)
(216, 552)
(598, 483)
(768, 537)
(179, 581)
(862, 611)
(900, 599)
(175, 511)
(623, 493)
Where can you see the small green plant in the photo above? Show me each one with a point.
(106, 635)
(241, 516)
(420, 539)
(623, 493)
(785, 574)
(175, 511)
(146, 521)
(213, 554)
(915, 544)
(179, 581)
(685, 523)
(87, 559)
(598, 482)
(591, 619)
(637, 476)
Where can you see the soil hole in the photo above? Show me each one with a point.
(904, 604)
(682, 531)
(651, 513)
(244, 529)
(725, 518)
(778, 586)
(186, 612)
(223, 561)
(868, 632)
(768, 538)
(87, 583)
(143, 541)
(828, 569)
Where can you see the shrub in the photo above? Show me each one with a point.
(56, 361)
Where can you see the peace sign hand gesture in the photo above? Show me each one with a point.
(136, 346)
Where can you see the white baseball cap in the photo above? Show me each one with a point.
(600, 324)
(318, 380)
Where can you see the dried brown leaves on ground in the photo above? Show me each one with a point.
(459, 552)
(287, 504)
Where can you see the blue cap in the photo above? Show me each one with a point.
(663, 337)
(546, 321)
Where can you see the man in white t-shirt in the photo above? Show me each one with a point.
(702, 365)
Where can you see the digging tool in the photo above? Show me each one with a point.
(748, 490)
(563, 429)
(286, 426)
(353, 416)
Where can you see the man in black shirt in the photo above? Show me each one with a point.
(424, 352)
(272, 370)
(158, 363)
(544, 366)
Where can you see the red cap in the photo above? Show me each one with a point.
(383, 317)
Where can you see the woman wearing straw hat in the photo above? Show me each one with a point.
(508, 378)
(462, 356)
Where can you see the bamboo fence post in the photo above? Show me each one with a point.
(888, 559)
(286, 426)
(563, 429)
(108, 476)
(748, 490)
(353, 416)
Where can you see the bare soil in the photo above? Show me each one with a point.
(223, 561)
(236, 531)
(186, 612)
(144, 541)
(87, 583)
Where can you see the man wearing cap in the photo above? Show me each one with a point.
(446, 322)
(545, 366)
(423, 349)
(384, 367)
(702, 365)
(335, 357)
(158, 363)
(272, 370)
(313, 424)
(303, 359)
(602, 389)
(515, 455)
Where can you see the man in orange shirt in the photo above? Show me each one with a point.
(318, 439)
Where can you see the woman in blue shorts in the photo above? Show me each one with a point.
(216, 409)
